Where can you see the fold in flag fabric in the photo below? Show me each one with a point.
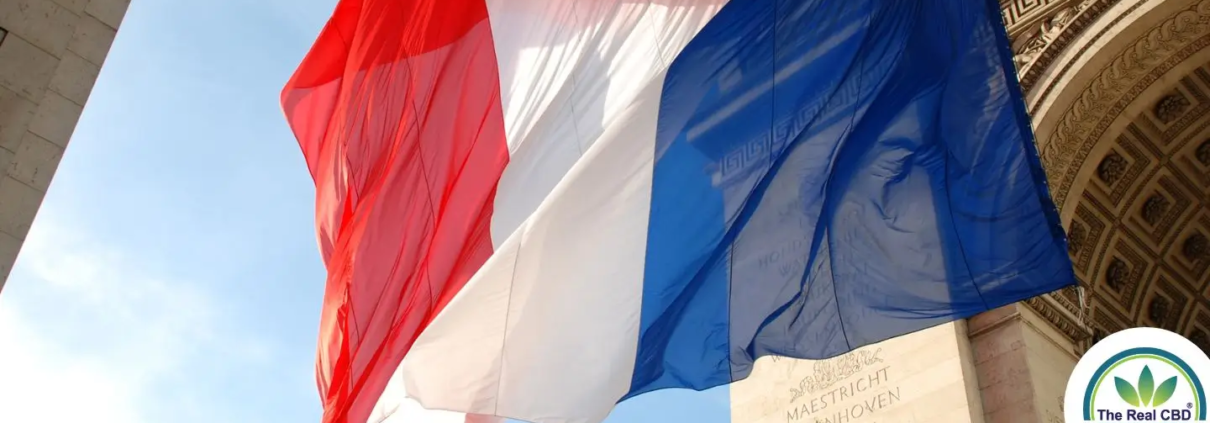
(535, 209)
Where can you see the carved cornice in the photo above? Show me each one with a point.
(1145, 215)
(1109, 92)
(1031, 74)
(1063, 314)
(1036, 48)
(1022, 16)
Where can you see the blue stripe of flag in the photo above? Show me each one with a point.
(834, 173)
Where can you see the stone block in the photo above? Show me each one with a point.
(1012, 369)
(74, 78)
(75, 6)
(92, 39)
(1006, 395)
(43, 23)
(19, 206)
(9, 248)
(995, 342)
(24, 68)
(970, 374)
(35, 162)
(108, 11)
(983, 321)
(56, 119)
(1022, 365)
(6, 159)
(15, 115)
(1022, 412)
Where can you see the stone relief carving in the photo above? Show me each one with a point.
(1154, 208)
(1016, 11)
(1116, 274)
(1130, 72)
(1086, 121)
(1046, 34)
(1142, 218)
(1048, 55)
(1171, 107)
(1203, 153)
(1075, 238)
(1195, 247)
(1112, 167)
(1157, 311)
(828, 372)
(1073, 324)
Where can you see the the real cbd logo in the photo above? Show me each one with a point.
(1145, 394)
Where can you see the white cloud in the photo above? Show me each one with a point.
(44, 383)
(88, 333)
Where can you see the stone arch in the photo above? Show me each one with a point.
(1119, 92)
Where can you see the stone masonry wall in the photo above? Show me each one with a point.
(51, 52)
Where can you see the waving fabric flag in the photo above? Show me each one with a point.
(537, 208)
(397, 109)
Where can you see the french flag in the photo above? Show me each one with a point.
(535, 209)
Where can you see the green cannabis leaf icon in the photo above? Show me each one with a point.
(1164, 392)
(1146, 386)
(1146, 394)
(1126, 391)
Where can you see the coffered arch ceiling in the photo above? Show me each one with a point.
(1119, 91)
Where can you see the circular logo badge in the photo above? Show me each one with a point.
(1139, 375)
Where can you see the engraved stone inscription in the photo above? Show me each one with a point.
(874, 390)
(914, 378)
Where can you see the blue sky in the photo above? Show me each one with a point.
(172, 274)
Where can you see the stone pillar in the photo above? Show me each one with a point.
(1022, 363)
(51, 52)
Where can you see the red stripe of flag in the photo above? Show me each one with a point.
(397, 110)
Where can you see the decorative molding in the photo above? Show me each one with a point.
(1089, 12)
(1133, 283)
(1141, 185)
(1132, 71)
(1029, 48)
(1082, 258)
(1069, 318)
(1189, 116)
(1020, 14)
(1132, 214)
(1173, 210)
(1167, 304)
(1032, 75)
(1138, 163)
